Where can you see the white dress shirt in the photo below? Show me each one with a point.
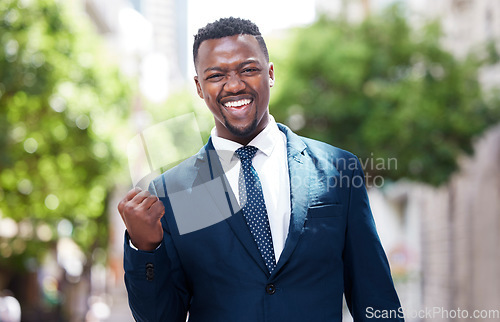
(271, 164)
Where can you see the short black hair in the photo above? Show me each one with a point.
(226, 27)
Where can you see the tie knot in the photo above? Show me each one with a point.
(246, 152)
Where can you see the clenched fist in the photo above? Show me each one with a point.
(141, 212)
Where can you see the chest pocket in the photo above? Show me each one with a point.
(324, 235)
(325, 211)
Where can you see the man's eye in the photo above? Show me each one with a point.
(215, 77)
(250, 70)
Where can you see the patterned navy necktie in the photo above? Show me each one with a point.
(254, 208)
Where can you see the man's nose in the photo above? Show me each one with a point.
(234, 84)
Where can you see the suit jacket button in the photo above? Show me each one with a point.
(270, 289)
(150, 271)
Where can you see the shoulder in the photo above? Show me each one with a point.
(318, 147)
(327, 155)
(181, 176)
(321, 152)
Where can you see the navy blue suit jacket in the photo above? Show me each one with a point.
(215, 272)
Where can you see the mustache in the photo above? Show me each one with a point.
(246, 92)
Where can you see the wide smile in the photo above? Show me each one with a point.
(238, 108)
(238, 104)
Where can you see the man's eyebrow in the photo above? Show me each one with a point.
(219, 69)
(247, 62)
(209, 69)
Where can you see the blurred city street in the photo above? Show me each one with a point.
(93, 93)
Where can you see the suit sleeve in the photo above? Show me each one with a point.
(368, 285)
(156, 284)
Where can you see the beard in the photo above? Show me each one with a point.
(241, 132)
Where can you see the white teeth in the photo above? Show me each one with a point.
(237, 103)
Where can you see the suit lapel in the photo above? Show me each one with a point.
(299, 166)
(209, 167)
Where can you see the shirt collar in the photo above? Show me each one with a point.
(265, 141)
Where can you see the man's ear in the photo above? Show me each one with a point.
(198, 87)
(271, 74)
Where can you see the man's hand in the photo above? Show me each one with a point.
(141, 212)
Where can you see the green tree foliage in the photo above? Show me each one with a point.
(61, 104)
(383, 91)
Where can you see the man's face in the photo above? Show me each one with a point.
(234, 78)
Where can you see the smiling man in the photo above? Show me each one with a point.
(279, 226)
(234, 79)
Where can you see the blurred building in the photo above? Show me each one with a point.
(460, 222)
(169, 19)
(459, 228)
(443, 247)
(352, 10)
(149, 38)
(468, 25)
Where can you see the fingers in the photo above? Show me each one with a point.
(157, 210)
(138, 201)
(132, 193)
(149, 201)
(129, 196)
(135, 197)
(141, 212)
(143, 199)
